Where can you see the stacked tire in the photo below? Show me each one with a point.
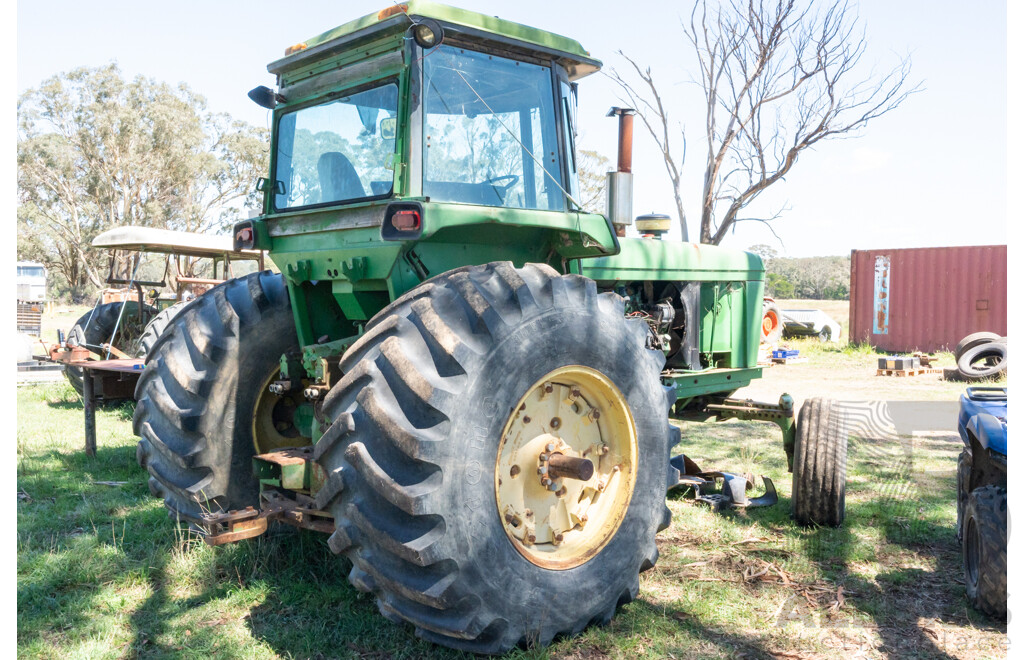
(979, 356)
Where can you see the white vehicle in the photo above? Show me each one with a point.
(31, 282)
(810, 323)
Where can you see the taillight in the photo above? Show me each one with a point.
(406, 220)
(244, 236)
(403, 221)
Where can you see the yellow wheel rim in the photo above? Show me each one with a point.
(559, 512)
(273, 425)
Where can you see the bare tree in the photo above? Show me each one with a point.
(778, 79)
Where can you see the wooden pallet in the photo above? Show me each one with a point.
(908, 372)
(792, 360)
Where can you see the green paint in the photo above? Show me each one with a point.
(341, 271)
(303, 420)
(564, 46)
(691, 384)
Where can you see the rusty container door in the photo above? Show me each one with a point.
(926, 299)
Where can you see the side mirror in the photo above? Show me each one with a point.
(265, 97)
(263, 185)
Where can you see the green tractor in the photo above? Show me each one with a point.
(460, 374)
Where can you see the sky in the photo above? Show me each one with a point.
(931, 173)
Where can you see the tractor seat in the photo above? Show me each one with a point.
(338, 178)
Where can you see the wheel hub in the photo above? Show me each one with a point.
(566, 467)
(276, 417)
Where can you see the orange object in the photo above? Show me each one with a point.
(391, 11)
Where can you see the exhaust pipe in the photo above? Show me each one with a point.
(620, 182)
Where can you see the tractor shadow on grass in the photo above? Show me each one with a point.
(124, 409)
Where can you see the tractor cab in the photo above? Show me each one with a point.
(422, 118)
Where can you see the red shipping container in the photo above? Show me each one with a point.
(926, 299)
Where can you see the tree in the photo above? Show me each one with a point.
(815, 278)
(593, 171)
(766, 252)
(96, 151)
(777, 286)
(778, 78)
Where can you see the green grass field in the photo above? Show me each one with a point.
(103, 572)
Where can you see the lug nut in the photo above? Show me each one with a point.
(549, 388)
(526, 419)
(550, 447)
(555, 422)
(542, 469)
(552, 486)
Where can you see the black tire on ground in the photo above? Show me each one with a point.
(412, 450)
(819, 464)
(972, 340)
(96, 327)
(156, 326)
(953, 374)
(987, 353)
(963, 473)
(197, 396)
(984, 549)
(775, 335)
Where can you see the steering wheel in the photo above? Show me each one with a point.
(501, 189)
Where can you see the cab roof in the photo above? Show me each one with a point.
(567, 52)
(184, 243)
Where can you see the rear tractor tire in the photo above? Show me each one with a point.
(498, 458)
(819, 464)
(144, 344)
(203, 406)
(98, 325)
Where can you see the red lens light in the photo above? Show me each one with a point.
(408, 220)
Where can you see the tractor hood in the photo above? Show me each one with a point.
(645, 259)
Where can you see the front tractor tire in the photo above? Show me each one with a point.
(203, 395)
(456, 399)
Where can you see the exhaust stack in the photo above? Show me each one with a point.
(620, 182)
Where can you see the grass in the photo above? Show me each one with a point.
(103, 573)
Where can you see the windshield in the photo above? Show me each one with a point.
(338, 151)
(489, 134)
